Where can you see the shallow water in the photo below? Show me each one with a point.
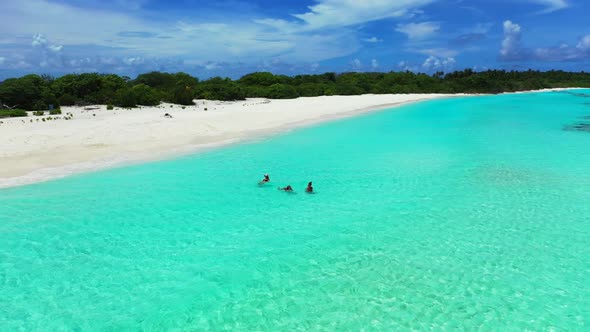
(466, 213)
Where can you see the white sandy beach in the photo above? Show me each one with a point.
(99, 138)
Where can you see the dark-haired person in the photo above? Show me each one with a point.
(287, 188)
(265, 180)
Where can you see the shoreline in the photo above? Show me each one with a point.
(43, 151)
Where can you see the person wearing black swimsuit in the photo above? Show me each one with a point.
(287, 188)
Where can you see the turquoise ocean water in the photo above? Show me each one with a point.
(470, 213)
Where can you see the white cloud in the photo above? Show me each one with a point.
(512, 37)
(584, 43)
(372, 40)
(39, 40)
(433, 63)
(43, 53)
(55, 48)
(553, 54)
(2, 59)
(513, 49)
(318, 47)
(278, 24)
(323, 31)
(212, 66)
(418, 30)
(76, 63)
(314, 66)
(374, 64)
(430, 64)
(437, 51)
(406, 66)
(356, 65)
(551, 5)
(408, 14)
(564, 52)
(132, 61)
(342, 13)
(32, 16)
(249, 41)
(511, 43)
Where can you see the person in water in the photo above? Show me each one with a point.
(287, 188)
(309, 188)
(266, 179)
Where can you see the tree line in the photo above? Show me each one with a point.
(36, 92)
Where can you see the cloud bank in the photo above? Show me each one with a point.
(130, 36)
(123, 38)
(513, 48)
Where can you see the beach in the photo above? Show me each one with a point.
(96, 138)
(454, 213)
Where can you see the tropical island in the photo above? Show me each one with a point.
(37, 92)
(115, 119)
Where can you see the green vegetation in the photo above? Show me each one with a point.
(12, 113)
(86, 89)
(179, 88)
(55, 111)
(34, 92)
(110, 107)
(30, 92)
(39, 113)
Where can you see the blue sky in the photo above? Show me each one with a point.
(233, 37)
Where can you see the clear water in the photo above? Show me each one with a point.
(468, 213)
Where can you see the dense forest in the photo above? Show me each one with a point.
(34, 92)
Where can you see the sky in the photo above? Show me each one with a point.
(230, 38)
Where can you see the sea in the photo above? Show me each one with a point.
(467, 213)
